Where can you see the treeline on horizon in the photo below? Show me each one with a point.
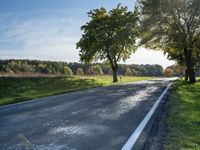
(13, 66)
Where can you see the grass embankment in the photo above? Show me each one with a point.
(14, 90)
(184, 117)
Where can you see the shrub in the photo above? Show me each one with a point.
(67, 71)
(96, 70)
(79, 72)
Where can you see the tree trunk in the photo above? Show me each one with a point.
(186, 75)
(115, 79)
(190, 66)
(114, 66)
(191, 74)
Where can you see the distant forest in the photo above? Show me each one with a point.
(63, 68)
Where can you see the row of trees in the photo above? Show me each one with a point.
(62, 68)
(172, 26)
(123, 69)
(47, 67)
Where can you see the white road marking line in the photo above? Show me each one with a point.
(135, 135)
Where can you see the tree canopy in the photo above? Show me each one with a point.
(172, 26)
(109, 36)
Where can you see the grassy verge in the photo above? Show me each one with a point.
(107, 80)
(184, 117)
(14, 90)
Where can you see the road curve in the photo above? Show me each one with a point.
(99, 118)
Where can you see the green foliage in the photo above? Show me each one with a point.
(96, 70)
(25, 67)
(88, 71)
(128, 72)
(109, 36)
(134, 72)
(174, 27)
(57, 68)
(14, 66)
(67, 71)
(79, 72)
(42, 68)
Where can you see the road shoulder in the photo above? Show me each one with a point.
(154, 135)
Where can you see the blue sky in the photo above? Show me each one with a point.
(49, 29)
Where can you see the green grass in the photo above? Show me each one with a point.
(16, 89)
(107, 80)
(184, 117)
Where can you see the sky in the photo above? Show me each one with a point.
(50, 29)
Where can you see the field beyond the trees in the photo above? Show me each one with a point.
(19, 89)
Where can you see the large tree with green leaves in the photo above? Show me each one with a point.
(172, 26)
(109, 36)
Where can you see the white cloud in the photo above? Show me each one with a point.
(52, 35)
(43, 38)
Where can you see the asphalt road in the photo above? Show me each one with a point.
(96, 119)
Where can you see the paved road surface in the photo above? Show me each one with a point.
(96, 119)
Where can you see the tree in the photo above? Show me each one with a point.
(179, 58)
(128, 72)
(25, 67)
(79, 72)
(67, 71)
(169, 72)
(134, 72)
(41, 68)
(96, 70)
(197, 55)
(88, 71)
(176, 69)
(14, 66)
(158, 70)
(109, 36)
(172, 26)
